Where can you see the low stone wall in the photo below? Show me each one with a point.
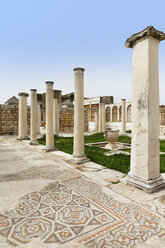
(9, 119)
(67, 120)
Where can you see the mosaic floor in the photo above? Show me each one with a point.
(74, 208)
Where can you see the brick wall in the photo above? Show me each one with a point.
(67, 120)
(162, 115)
(9, 119)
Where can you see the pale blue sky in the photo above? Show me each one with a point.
(44, 40)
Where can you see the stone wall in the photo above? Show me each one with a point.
(67, 120)
(9, 119)
(162, 115)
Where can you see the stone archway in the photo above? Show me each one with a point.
(108, 114)
(114, 114)
(129, 113)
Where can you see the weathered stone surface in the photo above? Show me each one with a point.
(149, 31)
(9, 119)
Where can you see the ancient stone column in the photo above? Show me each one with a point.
(38, 118)
(33, 118)
(55, 116)
(100, 117)
(123, 117)
(49, 117)
(103, 117)
(111, 114)
(96, 121)
(22, 125)
(90, 112)
(118, 114)
(78, 148)
(145, 167)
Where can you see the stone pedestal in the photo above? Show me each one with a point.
(38, 118)
(33, 118)
(49, 117)
(123, 116)
(22, 125)
(55, 116)
(145, 167)
(78, 156)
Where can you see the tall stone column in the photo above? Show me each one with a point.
(103, 117)
(78, 148)
(55, 116)
(100, 117)
(123, 117)
(96, 121)
(38, 118)
(145, 167)
(90, 112)
(33, 118)
(49, 117)
(111, 114)
(118, 114)
(22, 123)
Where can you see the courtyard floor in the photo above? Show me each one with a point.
(47, 202)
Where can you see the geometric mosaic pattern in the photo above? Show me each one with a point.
(73, 207)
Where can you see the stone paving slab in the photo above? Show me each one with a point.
(45, 202)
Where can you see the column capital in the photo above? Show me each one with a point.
(123, 99)
(23, 94)
(78, 69)
(33, 90)
(49, 82)
(150, 31)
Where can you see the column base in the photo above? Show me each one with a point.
(147, 185)
(79, 160)
(49, 149)
(22, 138)
(34, 143)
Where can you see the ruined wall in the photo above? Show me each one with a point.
(162, 115)
(9, 119)
(67, 120)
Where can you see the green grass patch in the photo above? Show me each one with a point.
(119, 162)
(97, 137)
(124, 139)
(162, 163)
(115, 182)
(162, 145)
(126, 150)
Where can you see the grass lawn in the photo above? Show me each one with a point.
(162, 145)
(119, 162)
